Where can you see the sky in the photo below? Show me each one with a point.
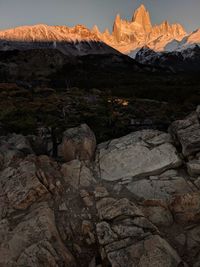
(100, 12)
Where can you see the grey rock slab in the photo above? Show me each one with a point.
(136, 154)
(162, 188)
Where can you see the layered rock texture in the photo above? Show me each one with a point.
(129, 202)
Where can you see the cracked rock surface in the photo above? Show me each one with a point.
(129, 202)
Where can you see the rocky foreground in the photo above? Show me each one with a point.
(132, 201)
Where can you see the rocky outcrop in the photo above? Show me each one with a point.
(28, 233)
(129, 239)
(133, 202)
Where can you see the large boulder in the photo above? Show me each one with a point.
(187, 133)
(78, 143)
(138, 154)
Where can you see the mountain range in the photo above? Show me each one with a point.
(75, 41)
(127, 37)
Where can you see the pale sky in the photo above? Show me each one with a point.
(89, 12)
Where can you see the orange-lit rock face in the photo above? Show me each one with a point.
(74, 41)
(130, 35)
(193, 38)
(142, 17)
(48, 33)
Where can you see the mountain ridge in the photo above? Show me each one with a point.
(184, 60)
(74, 41)
(43, 32)
(127, 36)
(188, 41)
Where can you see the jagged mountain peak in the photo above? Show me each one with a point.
(142, 6)
(117, 19)
(141, 9)
(107, 31)
(166, 23)
(132, 35)
(95, 29)
(142, 17)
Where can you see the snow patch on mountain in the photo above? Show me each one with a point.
(183, 60)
